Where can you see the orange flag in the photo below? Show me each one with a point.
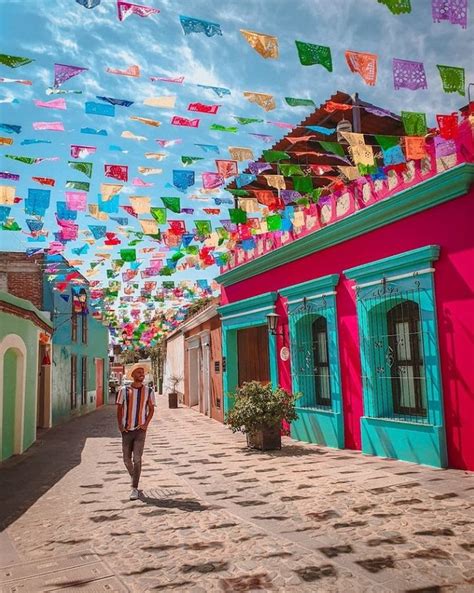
(364, 64)
(415, 148)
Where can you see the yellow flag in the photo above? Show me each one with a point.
(146, 120)
(266, 102)
(141, 204)
(239, 153)
(265, 45)
(7, 194)
(132, 136)
(362, 154)
(276, 181)
(158, 156)
(350, 173)
(149, 226)
(108, 190)
(352, 138)
(96, 213)
(249, 205)
(149, 171)
(167, 101)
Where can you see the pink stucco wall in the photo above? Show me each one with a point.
(449, 226)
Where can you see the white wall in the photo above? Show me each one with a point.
(174, 362)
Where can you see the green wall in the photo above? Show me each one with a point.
(28, 332)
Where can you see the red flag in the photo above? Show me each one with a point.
(183, 121)
(119, 172)
(448, 125)
(201, 108)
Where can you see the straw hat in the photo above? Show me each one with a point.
(138, 365)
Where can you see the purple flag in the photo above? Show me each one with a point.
(257, 168)
(63, 72)
(454, 11)
(409, 75)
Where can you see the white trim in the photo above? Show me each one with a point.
(15, 342)
(248, 312)
(311, 298)
(391, 278)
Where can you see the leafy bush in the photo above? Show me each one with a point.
(260, 406)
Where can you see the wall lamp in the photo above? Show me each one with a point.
(272, 324)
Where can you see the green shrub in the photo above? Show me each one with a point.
(260, 406)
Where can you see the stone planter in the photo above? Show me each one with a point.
(266, 439)
(172, 400)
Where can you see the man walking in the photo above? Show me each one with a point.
(135, 408)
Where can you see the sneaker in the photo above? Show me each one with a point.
(134, 494)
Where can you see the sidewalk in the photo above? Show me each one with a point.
(217, 517)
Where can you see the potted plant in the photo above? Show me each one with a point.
(258, 412)
(173, 394)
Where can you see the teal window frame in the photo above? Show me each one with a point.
(243, 314)
(322, 424)
(385, 432)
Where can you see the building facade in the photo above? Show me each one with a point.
(203, 363)
(375, 298)
(25, 378)
(79, 348)
(173, 372)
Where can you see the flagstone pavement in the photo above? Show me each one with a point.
(216, 517)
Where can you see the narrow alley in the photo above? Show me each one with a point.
(215, 516)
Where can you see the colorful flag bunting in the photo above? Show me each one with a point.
(125, 9)
(63, 72)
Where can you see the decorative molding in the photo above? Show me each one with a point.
(247, 306)
(312, 287)
(434, 191)
(401, 263)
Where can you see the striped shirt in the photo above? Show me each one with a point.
(134, 402)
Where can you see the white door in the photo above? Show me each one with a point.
(194, 374)
(205, 374)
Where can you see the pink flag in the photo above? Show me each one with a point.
(81, 152)
(55, 126)
(76, 200)
(69, 229)
(183, 121)
(133, 71)
(55, 247)
(227, 168)
(125, 9)
(54, 104)
(63, 72)
(281, 124)
(177, 80)
(119, 172)
(137, 182)
(201, 108)
(165, 143)
(130, 210)
(27, 82)
(212, 180)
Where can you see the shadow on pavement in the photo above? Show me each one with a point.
(25, 478)
(182, 504)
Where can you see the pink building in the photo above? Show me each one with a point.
(375, 297)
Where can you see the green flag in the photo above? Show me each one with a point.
(292, 102)
(387, 142)
(128, 255)
(310, 54)
(173, 204)
(219, 128)
(159, 214)
(81, 185)
(241, 193)
(273, 222)
(203, 227)
(275, 155)
(248, 120)
(453, 79)
(28, 160)
(82, 166)
(414, 123)
(14, 61)
(190, 160)
(397, 6)
(333, 147)
(237, 215)
(303, 185)
(289, 170)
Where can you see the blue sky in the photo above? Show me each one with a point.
(64, 31)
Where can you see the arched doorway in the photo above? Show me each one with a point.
(12, 395)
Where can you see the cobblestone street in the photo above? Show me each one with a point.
(215, 516)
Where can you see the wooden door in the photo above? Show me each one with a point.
(99, 382)
(253, 359)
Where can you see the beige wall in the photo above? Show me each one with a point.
(174, 363)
